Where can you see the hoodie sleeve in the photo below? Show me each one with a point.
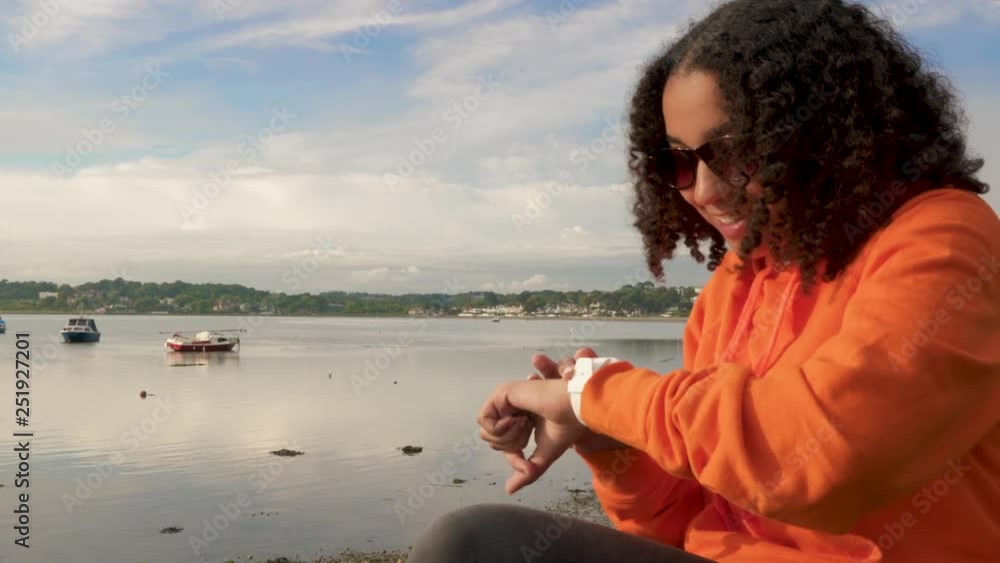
(910, 381)
(642, 499)
(638, 496)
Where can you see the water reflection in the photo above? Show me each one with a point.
(341, 390)
(196, 359)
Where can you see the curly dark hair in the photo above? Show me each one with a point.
(835, 108)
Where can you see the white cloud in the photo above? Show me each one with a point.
(911, 15)
(534, 283)
(575, 231)
(317, 28)
(326, 175)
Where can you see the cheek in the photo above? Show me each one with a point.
(688, 196)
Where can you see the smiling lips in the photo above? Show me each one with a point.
(732, 226)
(727, 219)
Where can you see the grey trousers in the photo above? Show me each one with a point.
(498, 533)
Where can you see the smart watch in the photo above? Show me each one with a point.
(585, 368)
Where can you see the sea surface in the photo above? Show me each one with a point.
(110, 470)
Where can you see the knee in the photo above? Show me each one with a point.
(458, 535)
(469, 523)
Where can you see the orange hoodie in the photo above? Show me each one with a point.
(860, 422)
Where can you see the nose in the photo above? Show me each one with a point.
(707, 186)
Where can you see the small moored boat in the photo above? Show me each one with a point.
(79, 330)
(204, 341)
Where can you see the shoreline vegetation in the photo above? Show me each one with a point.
(641, 301)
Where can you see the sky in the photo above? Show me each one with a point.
(381, 146)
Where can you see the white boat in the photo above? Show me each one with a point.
(204, 341)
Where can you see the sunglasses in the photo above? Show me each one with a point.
(677, 167)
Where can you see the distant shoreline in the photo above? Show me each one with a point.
(656, 318)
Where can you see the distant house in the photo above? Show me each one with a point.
(47, 294)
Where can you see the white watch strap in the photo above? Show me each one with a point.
(585, 368)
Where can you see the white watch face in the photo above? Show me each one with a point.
(585, 368)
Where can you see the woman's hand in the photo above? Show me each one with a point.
(549, 369)
(556, 425)
(511, 434)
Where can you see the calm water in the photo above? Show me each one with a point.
(203, 439)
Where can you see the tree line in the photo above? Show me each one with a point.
(122, 296)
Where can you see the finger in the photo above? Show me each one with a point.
(547, 453)
(545, 366)
(504, 424)
(566, 368)
(488, 415)
(517, 435)
(491, 420)
(541, 459)
(493, 440)
(534, 377)
(568, 365)
(517, 461)
(521, 479)
(516, 445)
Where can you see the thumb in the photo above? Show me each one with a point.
(521, 479)
(547, 452)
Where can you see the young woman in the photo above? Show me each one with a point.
(840, 396)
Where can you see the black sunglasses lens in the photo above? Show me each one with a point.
(721, 157)
(675, 167)
(686, 164)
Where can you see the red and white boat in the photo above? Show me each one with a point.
(204, 341)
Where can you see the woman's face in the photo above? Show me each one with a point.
(693, 106)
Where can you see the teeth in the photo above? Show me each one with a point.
(728, 219)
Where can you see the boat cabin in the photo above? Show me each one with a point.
(81, 325)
